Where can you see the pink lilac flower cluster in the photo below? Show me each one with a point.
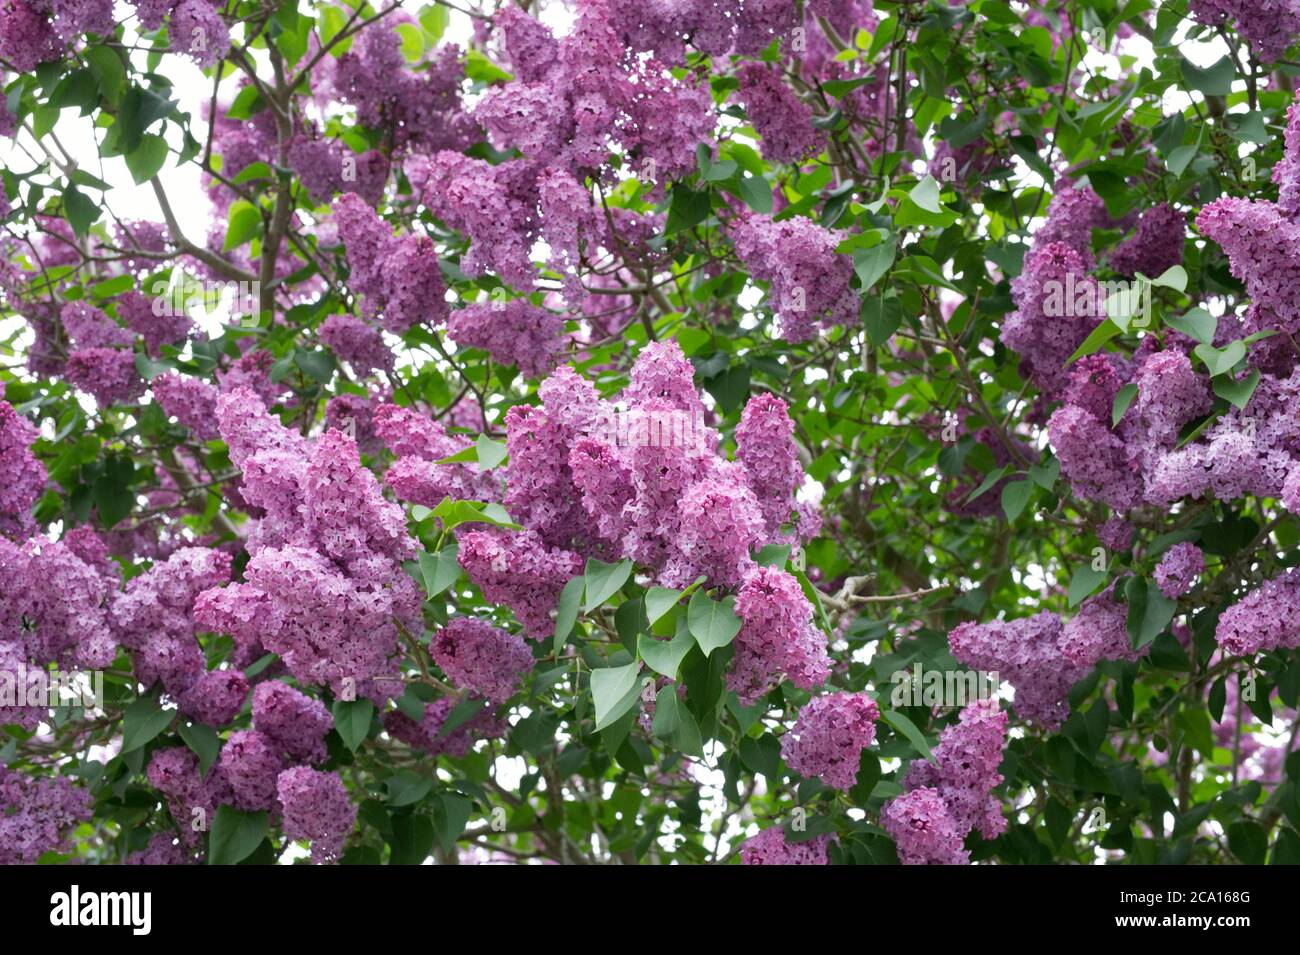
(1099, 631)
(156, 617)
(1155, 246)
(1266, 619)
(324, 587)
(512, 333)
(770, 847)
(191, 401)
(357, 343)
(777, 637)
(316, 808)
(640, 479)
(192, 797)
(25, 476)
(155, 320)
(1024, 653)
(398, 276)
(251, 370)
(215, 697)
(1271, 27)
(53, 604)
(419, 443)
(808, 280)
(141, 241)
(427, 735)
(1057, 305)
(829, 736)
(930, 829)
(714, 27)
(521, 572)
(494, 206)
(1122, 465)
(101, 362)
(481, 658)
(288, 732)
(782, 119)
(27, 37)
(923, 830)
(296, 723)
(1178, 569)
(36, 814)
(326, 166)
(591, 97)
(418, 108)
(163, 849)
(197, 30)
(250, 763)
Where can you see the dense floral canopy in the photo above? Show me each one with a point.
(769, 431)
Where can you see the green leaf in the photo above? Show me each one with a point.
(1217, 698)
(1096, 338)
(450, 813)
(907, 729)
(1015, 495)
(713, 623)
(1237, 392)
(1179, 159)
(730, 388)
(614, 689)
(1084, 582)
(80, 211)
(1216, 80)
(688, 209)
(881, 317)
(490, 453)
(460, 714)
(242, 223)
(140, 109)
(1174, 277)
(757, 193)
(1149, 611)
(1248, 841)
(926, 195)
(675, 723)
(1123, 399)
(146, 159)
(604, 581)
(352, 721)
(658, 601)
(870, 264)
(407, 788)
(1045, 475)
(566, 614)
(235, 835)
(254, 170)
(1286, 848)
(317, 365)
(990, 479)
(143, 720)
(665, 656)
(439, 570)
(412, 839)
(1197, 322)
(204, 742)
(1221, 361)
(109, 71)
